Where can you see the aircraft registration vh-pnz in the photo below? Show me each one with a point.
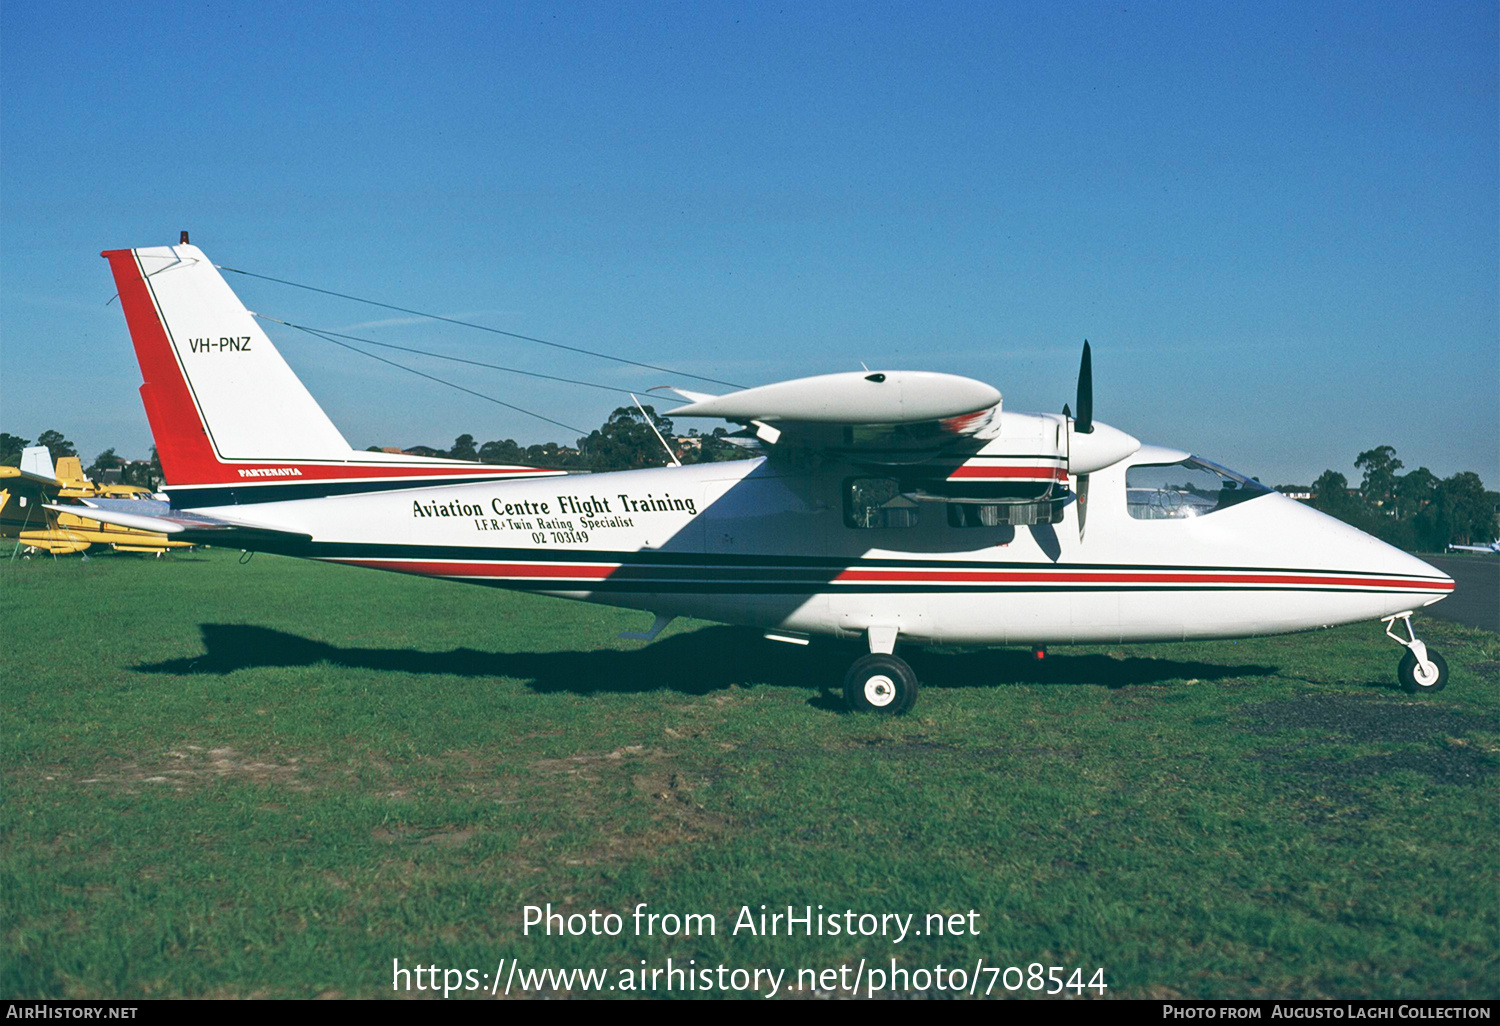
(898, 507)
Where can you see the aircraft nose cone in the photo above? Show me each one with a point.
(1414, 583)
(1428, 570)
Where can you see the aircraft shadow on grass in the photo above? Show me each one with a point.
(695, 663)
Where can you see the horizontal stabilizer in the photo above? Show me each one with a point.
(44, 482)
(189, 527)
(692, 397)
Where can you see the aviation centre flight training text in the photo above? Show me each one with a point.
(593, 512)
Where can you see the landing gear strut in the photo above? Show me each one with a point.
(881, 682)
(1422, 670)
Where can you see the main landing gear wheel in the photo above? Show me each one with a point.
(880, 683)
(1417, 679)
(1422, 671)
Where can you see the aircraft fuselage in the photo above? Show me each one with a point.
(772, 545)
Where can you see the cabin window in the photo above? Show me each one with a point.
(1181, 491)
(877, 502)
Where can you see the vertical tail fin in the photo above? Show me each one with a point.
(216, 390)
(37, 459)
(224, 407)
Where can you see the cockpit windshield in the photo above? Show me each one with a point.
(1192, 488)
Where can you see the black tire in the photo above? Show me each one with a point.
(880, 684)
(1407, 674)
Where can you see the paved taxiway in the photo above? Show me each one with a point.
(1476, 599)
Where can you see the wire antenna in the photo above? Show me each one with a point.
(325, 333)
(471, 324)
(440, 381)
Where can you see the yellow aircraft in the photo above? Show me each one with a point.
(26, 490)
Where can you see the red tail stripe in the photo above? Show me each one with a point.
(182, 442)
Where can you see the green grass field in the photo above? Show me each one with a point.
(271, 779)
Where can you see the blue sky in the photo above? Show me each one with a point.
(1276, 223)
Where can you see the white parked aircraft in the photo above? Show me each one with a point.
(894, 506)
(1493, 546)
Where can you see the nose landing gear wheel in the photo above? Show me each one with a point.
(1422, 671)
(1417, 679)
(880, 683)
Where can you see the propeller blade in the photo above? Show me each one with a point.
(1082, 495)
(1085, 422)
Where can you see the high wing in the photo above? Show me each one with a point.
(895, 417)
(944, 437)
(42, 482)
(178, 525)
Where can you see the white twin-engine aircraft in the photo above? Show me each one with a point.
(893, 506)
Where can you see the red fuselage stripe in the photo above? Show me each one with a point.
(1149, 577)
(596, 572)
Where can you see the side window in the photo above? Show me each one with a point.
(877, 502)
(1182, 491)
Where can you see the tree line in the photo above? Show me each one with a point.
(1416, 511)
(624, 441)
(146, 473)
